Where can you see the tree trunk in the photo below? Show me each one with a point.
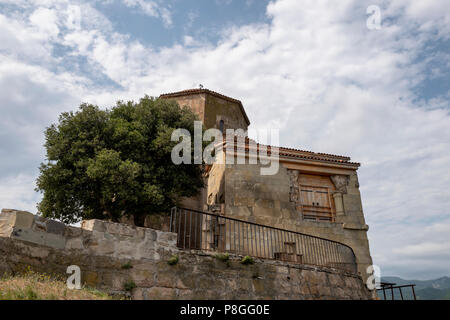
(139, 220)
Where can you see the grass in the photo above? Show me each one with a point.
(37, 286)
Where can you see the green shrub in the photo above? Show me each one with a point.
(173, 260)
(129, 286)
(247, 260)
(127, 266)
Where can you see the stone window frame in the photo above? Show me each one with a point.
(339, 181)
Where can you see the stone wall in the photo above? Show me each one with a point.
(267, 200)
(217, 109)
(112, 254)
(212, 109)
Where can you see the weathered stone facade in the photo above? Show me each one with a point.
(313, 193)
(101, 249)
(212, 108)
(272, 200)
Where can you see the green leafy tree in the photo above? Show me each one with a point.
(105, 164)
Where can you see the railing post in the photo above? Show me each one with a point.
(171, 217)
(401, 294)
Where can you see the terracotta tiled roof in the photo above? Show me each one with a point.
(317, 156)
(213, 93)
(306, 155)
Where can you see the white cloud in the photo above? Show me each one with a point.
(425, 250)
(15, 193)
(19, 39)
(315, 71)
(223, 2)
(192, 16)
(152, 9)
(46, 21)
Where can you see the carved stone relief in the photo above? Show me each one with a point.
(356, 182)
(294, 193)
(340, 182)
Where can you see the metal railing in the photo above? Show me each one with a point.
(389, 288)
(211, 232)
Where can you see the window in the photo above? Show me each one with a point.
(316, 203)
(221, 125)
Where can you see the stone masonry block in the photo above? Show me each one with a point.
(6, 223)
(93, 224)
(24, 220)
(75, 243)
(55, 227)
(120, 229)
(10, 219)
(55, 241)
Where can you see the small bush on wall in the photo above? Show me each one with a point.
(173, 260)
(247, 260)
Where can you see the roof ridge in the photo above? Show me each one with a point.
(211, 92)
(335, 156)
(301, 153)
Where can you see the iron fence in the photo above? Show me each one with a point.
(211, 232)
(388, 288)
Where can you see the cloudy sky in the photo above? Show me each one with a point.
(311, 68)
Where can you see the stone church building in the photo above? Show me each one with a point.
(296, 234)
(312, 193)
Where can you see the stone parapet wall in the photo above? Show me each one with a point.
(111, 255)
(95, 237)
